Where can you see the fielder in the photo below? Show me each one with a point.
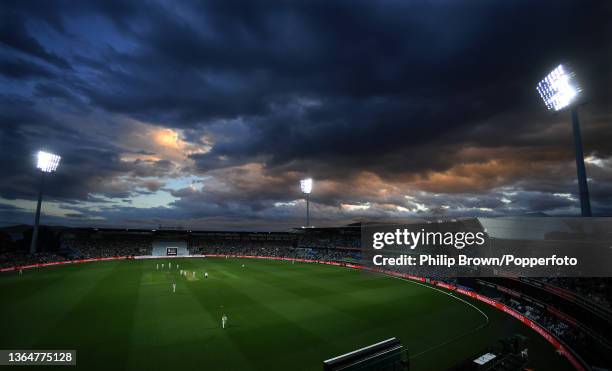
(162, 265)
(157, 266)
(205, 274)
(169, 265)
(174, 287)
(223, 320)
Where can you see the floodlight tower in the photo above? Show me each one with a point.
(559, 91)
(46, 163)
(306, 186)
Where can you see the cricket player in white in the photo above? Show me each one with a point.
(157, 266)
(223, 320)
(174, 287)
(162, 265)
(170, 265)
(205, 274)
(193, 274)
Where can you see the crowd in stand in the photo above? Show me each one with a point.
(16, 257)
(104, 248)
(82, 248)
(331, 241)
(554, 325)
(578, 340)
(283, 249)
(597, 290)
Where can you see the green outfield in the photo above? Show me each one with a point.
(282, 316)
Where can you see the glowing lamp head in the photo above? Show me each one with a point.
(47, 162)
(558, 89)
(306, 185)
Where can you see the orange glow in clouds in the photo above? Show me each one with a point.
(167, 138)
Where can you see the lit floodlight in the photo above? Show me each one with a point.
(47, 162)
(558, 89)
(306, 185)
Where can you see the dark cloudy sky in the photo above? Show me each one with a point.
(206, 114)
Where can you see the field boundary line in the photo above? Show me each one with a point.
(453, 339)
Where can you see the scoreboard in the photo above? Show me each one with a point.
(171, 251)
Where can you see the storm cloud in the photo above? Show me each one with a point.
(207, 114)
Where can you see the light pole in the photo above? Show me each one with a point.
(559, 92)
(306, 186)
(46, 163)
